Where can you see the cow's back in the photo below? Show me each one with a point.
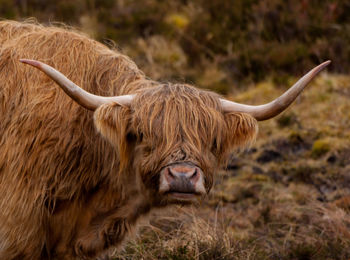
(50, 151)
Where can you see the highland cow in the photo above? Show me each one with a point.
(77, 171)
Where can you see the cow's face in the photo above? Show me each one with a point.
(174, 137)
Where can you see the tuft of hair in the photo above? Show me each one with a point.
(113, 121)
(243, 128)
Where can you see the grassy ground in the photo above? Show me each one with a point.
(287, 197)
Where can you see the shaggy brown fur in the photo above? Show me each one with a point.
(66, 191)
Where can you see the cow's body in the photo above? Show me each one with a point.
(73, 183)
(55, 169)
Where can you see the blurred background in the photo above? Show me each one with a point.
(215, 44)
(288, 196)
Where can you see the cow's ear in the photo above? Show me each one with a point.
(113, 122)
(241, 129)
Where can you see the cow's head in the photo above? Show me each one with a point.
(176, 136)
(173, 136)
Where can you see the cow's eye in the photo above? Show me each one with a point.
(214, 144)
(131, 137)
(140, 137)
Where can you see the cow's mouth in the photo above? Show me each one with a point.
(183, 194)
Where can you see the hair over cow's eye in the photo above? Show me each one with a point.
(214, 145)
(131, 137)
(140, 137)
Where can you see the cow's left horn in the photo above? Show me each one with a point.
(82, 97)
(272, 109)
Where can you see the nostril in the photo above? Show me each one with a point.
(171, 174)
(194, 175)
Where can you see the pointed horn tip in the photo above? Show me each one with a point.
(326, 63)
(323, 65)
(31, 62)
(318, 69)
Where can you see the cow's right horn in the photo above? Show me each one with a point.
(82, 97)
(272, 109)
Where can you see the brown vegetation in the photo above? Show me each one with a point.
(214, 44)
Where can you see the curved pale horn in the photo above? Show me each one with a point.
(82, 97)
(272, 109)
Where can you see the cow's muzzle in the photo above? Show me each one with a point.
(181, 181)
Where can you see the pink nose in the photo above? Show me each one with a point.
(180, 171)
